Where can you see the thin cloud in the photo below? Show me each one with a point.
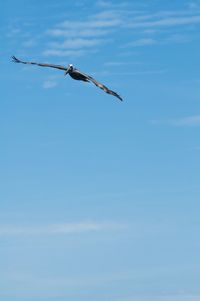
(131, 73)
(108, 4)
(104, 3)
(90, 33)
(76, 43)
(142, 42)
(169, 39)
(48, 84)
(194, 5)
(29, 43)
(167, 22)
(104, 22)
(71, 33)
(73, 37)
(185, 121)
(57, 229)
(177, 39)
(119, 63)
(64, 53)
(92, 23)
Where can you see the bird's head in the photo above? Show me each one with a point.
(69, 69)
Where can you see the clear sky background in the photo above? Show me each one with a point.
(100, 199)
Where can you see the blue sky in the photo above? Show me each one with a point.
(100, 199)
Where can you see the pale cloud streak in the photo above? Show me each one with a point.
(78, 43)
(167, 22)
(58, 229)
(194, 5)
(29, 43)
(140, 28)
(184, 121)
(72, 33)
(169, 39)
(142, 42)
(89, 33)
(48, 84)
(63, 53)
(100, 28)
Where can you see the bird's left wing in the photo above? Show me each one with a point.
(101, 86)
(16, 60)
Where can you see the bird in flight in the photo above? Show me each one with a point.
(74, 73)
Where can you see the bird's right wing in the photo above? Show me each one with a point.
(100, 85)
(16, 60)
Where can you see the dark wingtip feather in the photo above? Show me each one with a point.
(117, 95)
(14, 59)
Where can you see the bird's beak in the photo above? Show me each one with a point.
(67, 71)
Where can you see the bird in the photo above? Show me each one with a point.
(73, 72)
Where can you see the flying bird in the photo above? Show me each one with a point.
(74, 73)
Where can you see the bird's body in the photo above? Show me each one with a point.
(77, 75)
(74, 73)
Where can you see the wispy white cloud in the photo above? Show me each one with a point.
(92, 31)
(176, 39)
(96, 29)
(196, 148)
(142, 42)
(48, 84)
(120, 63)
(160, 25)
(168, 39)
(72, 33)
(103, 3)
(130, 73)
(29, 43)
(194, 5)
(56, 229)
(96, 21)
(74, 47)
(89, 33)
(13, 32)
(185, 121)
(109, 4)
(64, 53)
(78, 43)
(167, 22)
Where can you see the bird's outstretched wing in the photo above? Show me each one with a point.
(101, 86)
(15, 60)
